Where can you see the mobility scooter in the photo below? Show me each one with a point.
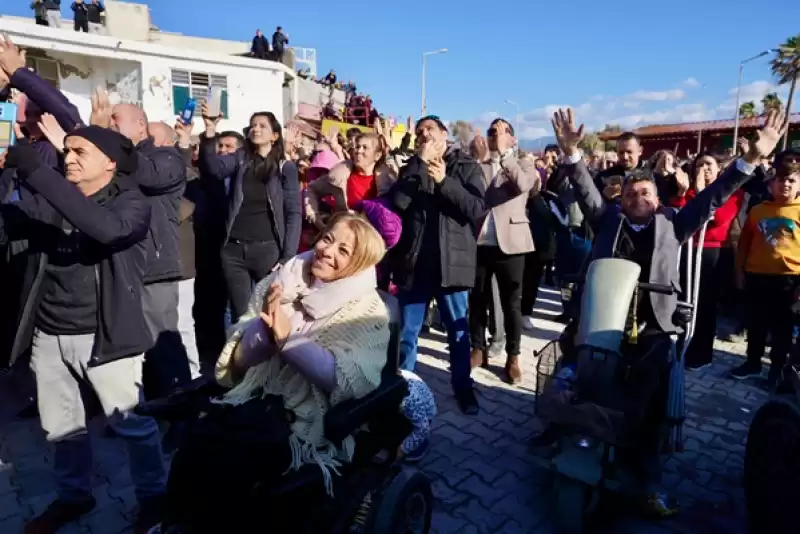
(375, 493)
(581, 387)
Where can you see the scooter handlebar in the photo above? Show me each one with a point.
(656, 288)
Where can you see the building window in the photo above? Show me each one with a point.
(186, 84)
(47, 69)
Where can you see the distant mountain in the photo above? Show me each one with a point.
(537, 144)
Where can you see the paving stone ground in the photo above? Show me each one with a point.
(484, 479)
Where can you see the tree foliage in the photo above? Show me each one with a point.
(591, 142)
(771, 101)
(786, 68)
(747, 110)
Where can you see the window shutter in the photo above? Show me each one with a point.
(179, 97)
(223, 106)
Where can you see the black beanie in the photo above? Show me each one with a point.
(116, 146)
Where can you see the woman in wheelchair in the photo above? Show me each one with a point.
(316, 334)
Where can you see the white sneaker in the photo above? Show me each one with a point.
(527, 323)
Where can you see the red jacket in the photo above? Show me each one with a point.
(720, 225)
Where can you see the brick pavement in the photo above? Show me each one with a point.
(483, 478)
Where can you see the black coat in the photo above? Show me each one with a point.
(161, 176)
(283, 193)
(114, 232)
(451, 210)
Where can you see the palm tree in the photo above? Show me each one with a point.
(786, 68)
(771, 101)
(747, 110)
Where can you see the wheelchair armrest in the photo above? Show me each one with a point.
(345, 418)
(186, 401)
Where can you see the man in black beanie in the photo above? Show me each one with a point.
(82, 308)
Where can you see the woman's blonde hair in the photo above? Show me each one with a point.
(369, 247)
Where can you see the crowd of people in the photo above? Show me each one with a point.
(134, 261)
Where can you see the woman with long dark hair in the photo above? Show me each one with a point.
(704, 170)
(264, 206)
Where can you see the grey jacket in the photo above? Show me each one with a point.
(672, 229)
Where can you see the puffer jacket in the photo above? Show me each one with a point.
(161, 176)
(440, 222)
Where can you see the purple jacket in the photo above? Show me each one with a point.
(388, 224)
(49, 100)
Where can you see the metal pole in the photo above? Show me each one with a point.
(424, 105)
(738, 103)
(739, 94)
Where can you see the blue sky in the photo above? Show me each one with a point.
(628, 62)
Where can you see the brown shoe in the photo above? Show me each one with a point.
(513, 372)
(479, 358)
(59, 514)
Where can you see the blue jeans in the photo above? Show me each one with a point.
(452, 306)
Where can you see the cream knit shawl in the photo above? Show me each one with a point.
(357, 333)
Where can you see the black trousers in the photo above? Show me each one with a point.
(508, 270)
(244, 265)
(531, 278)
(81, 25)
(712, 273)
(210, 298)
(769, 301)
(646, 389)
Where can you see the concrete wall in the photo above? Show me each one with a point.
(313, 94)
(140, 72)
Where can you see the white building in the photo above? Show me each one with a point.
(156, 70)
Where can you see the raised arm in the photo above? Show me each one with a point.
(118, 228)
(46, 97)
(161, 171)
(213, 165)
(292, 210)
(701, 208)
(589, 197)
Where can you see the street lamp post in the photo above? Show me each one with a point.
(739, 94)
(424, 62)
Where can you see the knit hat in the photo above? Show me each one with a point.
(116, 146)
(324, 159)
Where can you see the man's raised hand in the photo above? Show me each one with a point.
(567, 135)
(767, 137)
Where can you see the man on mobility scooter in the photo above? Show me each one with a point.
(643, 232)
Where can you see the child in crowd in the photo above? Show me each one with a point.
(768, 262)
(419, 406)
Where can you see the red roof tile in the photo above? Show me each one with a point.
(654, 130)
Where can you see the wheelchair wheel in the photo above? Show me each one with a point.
(772, 467)
(405, 506)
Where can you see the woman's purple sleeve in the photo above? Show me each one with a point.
(256, 345)
(312, 361)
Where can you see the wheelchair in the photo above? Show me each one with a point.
(375, 493)
(582, 388)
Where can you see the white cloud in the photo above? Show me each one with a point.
(691, 83)
(636, 109)
(659, 96)
(753, 92)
